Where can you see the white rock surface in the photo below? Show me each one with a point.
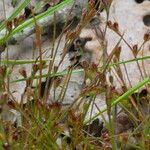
(129, 16)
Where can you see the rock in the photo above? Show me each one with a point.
(129, 15)
(94, 128)
(123, 123)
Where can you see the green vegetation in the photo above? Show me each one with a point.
(40, 122)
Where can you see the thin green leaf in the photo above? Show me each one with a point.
(18, 9)
(131, 60)
(81, 70)
(50, 75)
(19, 62)
(122, 97)
(29, 22)
(147, 129)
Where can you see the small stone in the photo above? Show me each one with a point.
(123, 123)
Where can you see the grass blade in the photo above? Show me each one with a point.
(122, 97)
(31, 21)
(81, 70)
(21, 6)
(19, 62)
